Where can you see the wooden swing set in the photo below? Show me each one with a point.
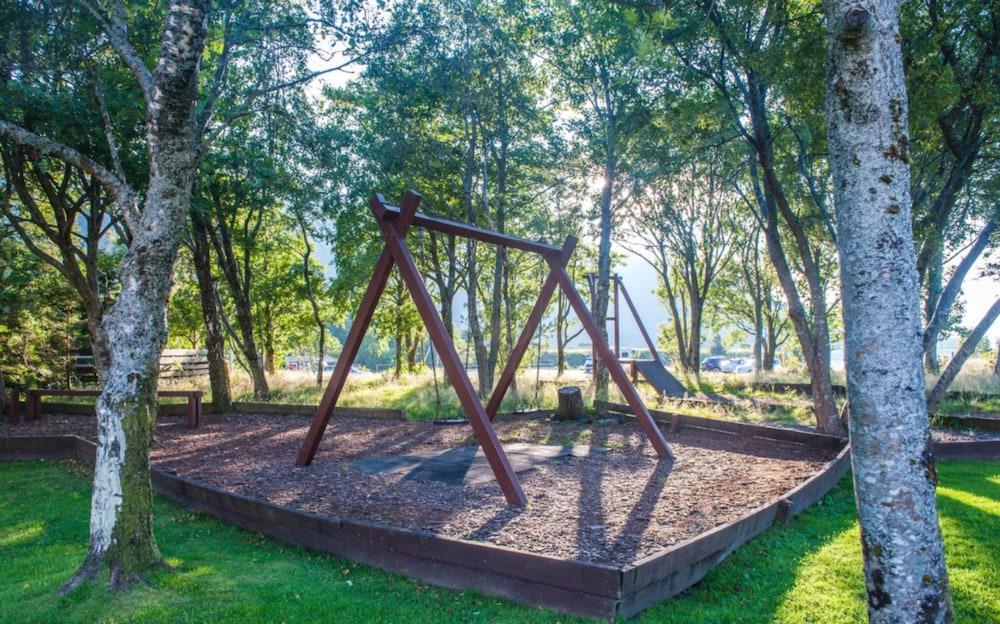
(394, 222)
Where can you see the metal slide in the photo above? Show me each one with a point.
(660, 378)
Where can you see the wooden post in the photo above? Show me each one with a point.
(380, 276)
(481, 425)
(592, 285)
(614, 366)
(15, 405)
(33, 406)
(194, 410)
(618, 346)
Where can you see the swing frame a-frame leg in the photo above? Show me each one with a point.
(558, 278)
(352, 343)
(393, 223)
(397, 253)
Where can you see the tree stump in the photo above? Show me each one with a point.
(570, 403)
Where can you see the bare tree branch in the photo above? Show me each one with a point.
(117, 32)
(123, 193)
(105, 118)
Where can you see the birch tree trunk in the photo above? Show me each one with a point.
(601, 376)
(894, 476)
(961, 356)
(121, 531)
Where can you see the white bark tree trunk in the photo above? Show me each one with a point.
(894, 476)
(121, 533)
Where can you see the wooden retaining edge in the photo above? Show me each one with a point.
(976, 420)
(809, 438)
(971, 449)
(966, 394)
(670, 572)
(801, 388)
(568, 586)
(840, 390)
(573, 587)
(731, 401)
(309, 410)
(179, 409)
(40, 447)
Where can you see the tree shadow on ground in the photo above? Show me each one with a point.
(754, 582)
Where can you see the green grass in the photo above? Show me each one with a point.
(808, 571)
(963, 405)
(413, 393)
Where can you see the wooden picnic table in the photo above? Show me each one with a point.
(33, 402)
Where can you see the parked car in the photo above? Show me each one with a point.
(329, 366)
(713, 363)
(728, 365)
(747, 365)
(744, 365)
(588, 366)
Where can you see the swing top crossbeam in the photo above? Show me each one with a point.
(393, 223)
(437, 224)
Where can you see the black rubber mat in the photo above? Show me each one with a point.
(466, 465)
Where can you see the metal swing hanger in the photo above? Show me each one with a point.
(394, 222)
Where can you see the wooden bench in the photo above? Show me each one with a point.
(33, 402)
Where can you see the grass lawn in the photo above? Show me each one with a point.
(415, 393)
(808, 571)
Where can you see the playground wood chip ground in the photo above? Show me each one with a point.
(611, 507)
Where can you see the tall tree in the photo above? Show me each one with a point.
(50, 82)
(211, 315)
(592, 50)
(238, 216)
(684, 230)
(951, 50)
(121, 533)
(893, 467)
(738, 48)
(750, 299)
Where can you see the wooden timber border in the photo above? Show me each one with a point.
(977, 420)
(780, 434)
(799, 388)
(567, 586)
(841, 391)
(175, 409)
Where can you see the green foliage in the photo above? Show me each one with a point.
(40, 320)
(495, 110)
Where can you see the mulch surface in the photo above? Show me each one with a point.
(612, 507)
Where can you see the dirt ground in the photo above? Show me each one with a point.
(613, 507)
